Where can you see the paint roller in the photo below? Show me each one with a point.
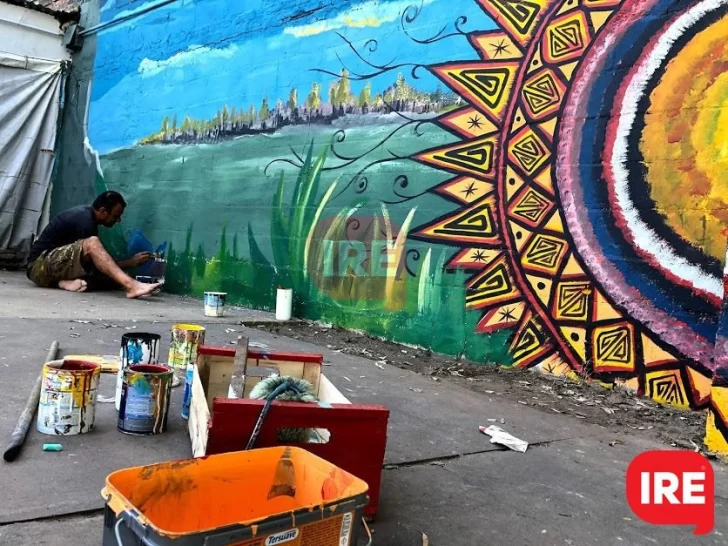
(17, 438)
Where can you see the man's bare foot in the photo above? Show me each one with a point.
(76, 285)
(139, 289)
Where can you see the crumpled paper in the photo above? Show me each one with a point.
(500, 436)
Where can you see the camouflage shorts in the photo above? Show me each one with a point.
(60, 264)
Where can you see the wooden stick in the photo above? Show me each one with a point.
(17, 438)
(240, 365)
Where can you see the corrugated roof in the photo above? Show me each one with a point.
(63, 10)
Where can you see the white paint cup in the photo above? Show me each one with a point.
(284, 304)
(215, 304)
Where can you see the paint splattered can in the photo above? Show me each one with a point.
(215, 304)
(186, 338)
(145, 396)
(136, 348)
(68, 393)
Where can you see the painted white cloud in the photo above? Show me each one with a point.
(194, 54)
(369, 14)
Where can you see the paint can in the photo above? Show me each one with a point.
(136, 348)
(147, 279)
(186, 338)
(215, 304)
(284, 303)
(67, 404)
(145, 396)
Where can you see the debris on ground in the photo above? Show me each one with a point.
(583, 400)
(501, 437)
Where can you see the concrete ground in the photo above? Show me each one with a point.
(442, 477)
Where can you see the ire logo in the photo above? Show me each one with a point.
(672, 488)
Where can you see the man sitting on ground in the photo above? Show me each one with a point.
(69, 250)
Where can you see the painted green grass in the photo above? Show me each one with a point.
(430, 308)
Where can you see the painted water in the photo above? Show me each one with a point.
(170, 187)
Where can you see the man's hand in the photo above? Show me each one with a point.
(136, 260)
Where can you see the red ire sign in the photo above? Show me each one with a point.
(672, 488)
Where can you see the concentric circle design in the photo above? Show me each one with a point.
(658, 277)
(558, 215)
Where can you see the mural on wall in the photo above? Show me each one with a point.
(295, 146)
(537, 181)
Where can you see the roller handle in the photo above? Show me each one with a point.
(17, 438)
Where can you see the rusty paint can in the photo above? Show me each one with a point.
(145, 396)
(68, 393)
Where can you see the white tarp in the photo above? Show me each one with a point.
(30, 93)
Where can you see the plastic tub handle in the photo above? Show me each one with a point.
(225, 537)
(128, 519)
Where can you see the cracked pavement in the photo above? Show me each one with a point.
(442, 476)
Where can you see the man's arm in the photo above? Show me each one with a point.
(135, 260)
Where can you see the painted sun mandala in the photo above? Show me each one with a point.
(561, 197)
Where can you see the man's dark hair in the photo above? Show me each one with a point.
(108, 200)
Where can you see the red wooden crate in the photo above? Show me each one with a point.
(358, 433)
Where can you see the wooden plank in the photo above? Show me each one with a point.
(261, 354)
(199, 421)
(203, 369)
(218, 378)
(329, 393)
(240, 365)
(312, 374)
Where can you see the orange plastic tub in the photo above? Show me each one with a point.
(262, 497)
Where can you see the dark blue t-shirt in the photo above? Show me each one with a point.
(66, 228)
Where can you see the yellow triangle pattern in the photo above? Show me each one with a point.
(466, 189)
(701, 385)
(475, 257)
(541, 287)
(598, 18)
(521, 235)
(470, 123)
(572, 269)
(568, 69)
(496, 46)
(513, 183)
(603, 310)
(519, 120)
(567, 7)
(554, 223)
(576, 337)
(549, 127)
(536, 61)
(654, 355)
(544, 180)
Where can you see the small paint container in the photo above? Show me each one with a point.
(67, 404)
(187, 398)
(215, 304)
(186, 339)
(145, 397)
(136, 348)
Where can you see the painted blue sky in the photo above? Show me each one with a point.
(194, 56)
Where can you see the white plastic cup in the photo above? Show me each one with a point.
(284, 304)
